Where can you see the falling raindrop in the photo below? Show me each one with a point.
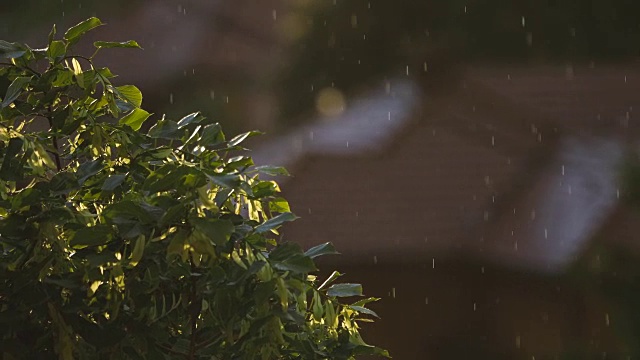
(433, 263)
(171, 98)
(393, 292)
(606, 319)
(426, 300)
(274, 15)
(375, 259)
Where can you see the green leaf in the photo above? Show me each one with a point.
(8, 170)
(91, 236)
(11, 50)
(131, 94)
(63, 78)
(115, 44)
(322, 249)
(345, 290)
(211, 135)
(88, 169)
(138, 250)
(15, 89)
(56, 50)
(74, 33)
(279, 205)
(113, 181)
(135, 118)
(52, 34)
(275, 222)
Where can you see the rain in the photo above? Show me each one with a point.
(476, 163)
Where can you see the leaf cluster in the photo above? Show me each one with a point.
(118, 243)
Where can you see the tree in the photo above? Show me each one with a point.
(119, 243)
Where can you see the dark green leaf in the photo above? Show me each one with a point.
(230, 181)
(219, 231)
(285, 251)
(297, 263)
(14, 90)
(364, 310)
(212, 135)
(8, 170)
(63, 183)
(345, 290)
(11, 50)
(322, 249)
(275, 222)
(135, 118)
(113, 181)
(87, 170)
(74, 33)
(165, 129)
(91, 236)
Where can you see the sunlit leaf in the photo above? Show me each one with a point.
(114, 44)
(74, 33)
(135, 118)
(132, 94)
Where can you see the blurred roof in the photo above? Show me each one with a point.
(518, 167)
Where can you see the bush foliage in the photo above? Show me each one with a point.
(119, 243)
